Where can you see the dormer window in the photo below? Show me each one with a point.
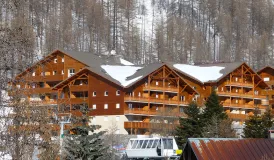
(118, 93)
(106, 93)
(55, 60)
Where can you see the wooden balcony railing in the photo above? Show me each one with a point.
(160, 88)
(237, 116)
(240, 84)
(51, 78)
(136, 111)
(38, 90)
(43, 102)
(268, 92)
(240, 94)
(155, 100)
(78, 88)
(72, 100)
(148, 125)
(241, 105)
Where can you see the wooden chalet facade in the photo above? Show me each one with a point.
(267, 74)
(132, 97)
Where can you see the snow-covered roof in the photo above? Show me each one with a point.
(121, 73)
(201, 73)
(125, 62)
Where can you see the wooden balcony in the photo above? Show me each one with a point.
(72, 100)
(160, 88)
(155, 101)
(237, 116)
(78, 88)
(44, 102)
(268, 92)
(137, 111)
(240, 84)
(39, 90)
(51, 78)
(241, 95)
(148, 125)
(241, 105)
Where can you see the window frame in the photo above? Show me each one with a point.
(94, 94)
(94, 106)
(106, 106)
(118, 93)
(117, 104)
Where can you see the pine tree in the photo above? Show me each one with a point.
(254, 126)
(84, 143)
(257, 126)
(190, 126)
(213, 107)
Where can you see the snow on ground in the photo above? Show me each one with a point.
(4, 156)
(120, 73)
(203, 74)
(125, 62)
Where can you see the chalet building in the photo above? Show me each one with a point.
(267, 74)
(132, 97)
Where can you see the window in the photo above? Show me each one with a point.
(181, 109)
(94, 94)
(236, 79)
(236, 101)
(139, 94)
(150, 142)
(182, 98)
(117, 105)
(168, 143)
(71, 72)
(55, 60)
(94, 106)
(105, 118)
(62, 71)
(105, 106)
(18, 86)
(117, 118)
(266, 79)
(33, 73)
(63, 59)
(118, 92)
(157, 95)
(54, 72)
(130, 105)
(106, 93)
(145, 144)
(157, 83)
